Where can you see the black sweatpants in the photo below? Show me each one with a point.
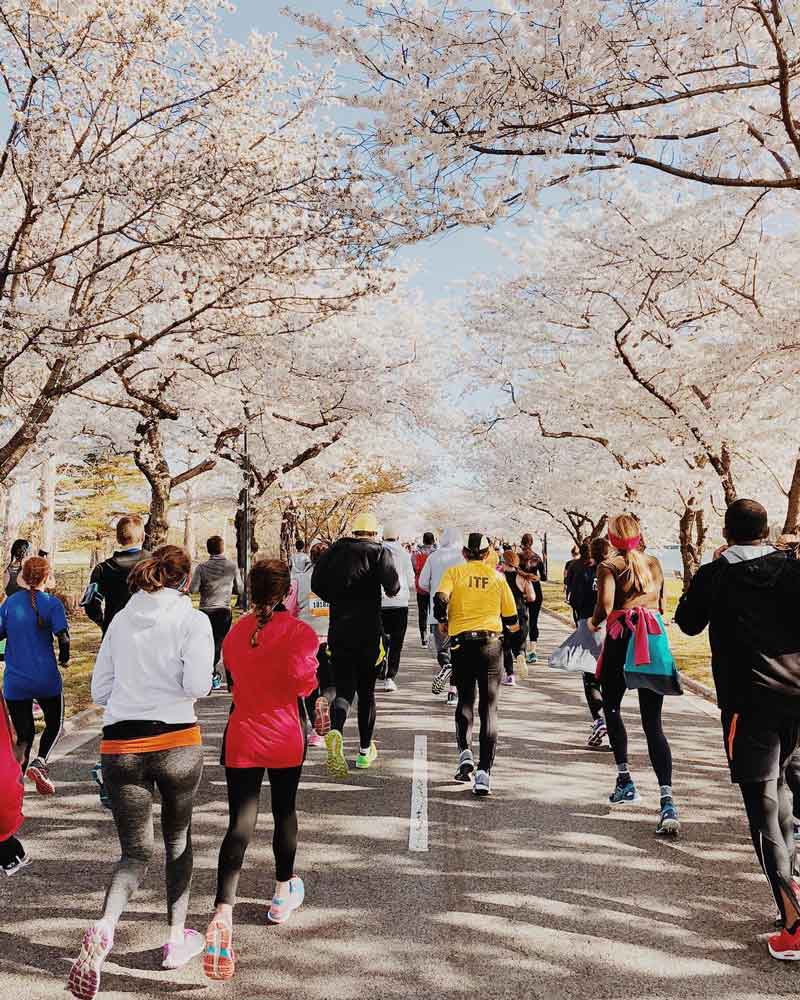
(21, 712)
(478, 664)
(650, 706)
(244, 797)
(395, 624)
(769, 813)
(423, 605)
(221, 620)
(355, 671)
(594, 695)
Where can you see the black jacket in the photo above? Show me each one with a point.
(583, 589)
(108, 590)
(753, 612)
(350, 576)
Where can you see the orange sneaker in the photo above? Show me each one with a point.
(219, 960)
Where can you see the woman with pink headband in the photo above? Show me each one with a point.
(630, 594)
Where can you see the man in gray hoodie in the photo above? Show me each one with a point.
(215, 581)
(450, 553)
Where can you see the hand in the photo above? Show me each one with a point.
(442, 627)
(591, 626)
(718, 552)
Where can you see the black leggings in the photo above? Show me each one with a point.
(21, 712)
(594, 696)
(650, 705)
(355, 672)
(478, 664)
(533, 613)
(423, 604)
(769, 813)
(244, 795)
(395, 625)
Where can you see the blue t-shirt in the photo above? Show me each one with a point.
(31, 668)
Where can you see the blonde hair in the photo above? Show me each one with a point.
(636, 572)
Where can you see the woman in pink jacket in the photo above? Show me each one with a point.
(272, 658)
(13, 856)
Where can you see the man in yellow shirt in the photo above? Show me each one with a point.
(474, 604)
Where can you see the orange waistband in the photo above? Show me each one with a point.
(152, 744)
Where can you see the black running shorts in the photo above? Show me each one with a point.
(758, 744)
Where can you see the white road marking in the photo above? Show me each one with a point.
(418, 830)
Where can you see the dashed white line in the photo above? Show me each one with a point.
(418, 830)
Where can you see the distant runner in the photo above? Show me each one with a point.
(217, 580)
(450, 553)
(394, 610)
(418, 559)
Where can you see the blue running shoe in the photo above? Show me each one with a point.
(624, 794)
(97, 777)
(668, 823)
(216, 683)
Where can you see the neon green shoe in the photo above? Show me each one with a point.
(365, 759)
(337, 765)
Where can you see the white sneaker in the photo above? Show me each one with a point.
(389, 685)
(175, 956)
(452, 699)
(482, 784)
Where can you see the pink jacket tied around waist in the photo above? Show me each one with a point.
(646, 624)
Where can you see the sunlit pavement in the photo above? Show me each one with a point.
(541, 890)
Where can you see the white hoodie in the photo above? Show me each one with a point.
(156, 659)
(405, 571)
(448, 554)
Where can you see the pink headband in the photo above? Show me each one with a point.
(625, 544)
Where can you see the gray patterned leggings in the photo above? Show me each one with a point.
(131, 780)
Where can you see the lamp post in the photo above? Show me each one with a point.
(246, 526)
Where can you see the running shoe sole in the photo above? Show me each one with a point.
(322, 716)
(626, 802)
(336, 764)
(84, 976)
(669, 828)
(465, 772)
(441, 679)
(596, 738)
(44, 786)
(22, 863)
(219, 960)
(481, 791)
(784, 956)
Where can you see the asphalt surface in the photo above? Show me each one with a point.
(541, 891)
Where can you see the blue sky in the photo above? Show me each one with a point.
(453, 258)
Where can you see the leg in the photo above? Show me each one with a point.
(130, 790)
(466, 683)
(594, 698)
(533, 613)
(423, 604)
(177, 775)
(244, 793)
(21, 713)
(367, 676)
(489, 675)
(397, 636)
(613, 690)
(53, 711)
(650, 706)
(283, 784)
(763, 805)
(343, 662)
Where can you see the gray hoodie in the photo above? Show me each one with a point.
(448, 554)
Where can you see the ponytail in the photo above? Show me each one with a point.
(168, 566)
(625, 534)
(269, 584)
(34, 572)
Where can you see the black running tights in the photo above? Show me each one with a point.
(650, 706)
(244, 794)
(769, 813)
(478, 665)
(594, 696)
(21, 712)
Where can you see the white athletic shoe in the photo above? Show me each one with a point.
(482, 783)
(389, 685)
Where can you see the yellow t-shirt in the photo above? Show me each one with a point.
(479, 598)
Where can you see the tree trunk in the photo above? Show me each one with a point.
(148, 454)
(289, 520)
(47, 506)
(240, 529)
(692, 535)
(791, 525)
(36, 419)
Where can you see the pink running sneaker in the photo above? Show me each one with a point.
(84, 976)
(315, 740)
(322, 716)
(178, 955)
(40, 776)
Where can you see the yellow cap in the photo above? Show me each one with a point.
(366, 523)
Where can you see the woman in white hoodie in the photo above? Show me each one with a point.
(156, 659)
(450, 553)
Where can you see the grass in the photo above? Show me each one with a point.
(692, 653)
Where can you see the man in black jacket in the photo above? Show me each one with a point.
(750, 598)
(350, 577)
(108, 590)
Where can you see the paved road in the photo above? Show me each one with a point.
(541, 891)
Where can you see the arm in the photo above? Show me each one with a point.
(197, 579)
(60, 628)
(606, 591)
(197, 654)
(512, 635)
(103, 673)
(303, 667)
(442, 598)
(390, 581)
(425, 582)
(238, 585)
(92, 600)
(319, 578)
(694, 608)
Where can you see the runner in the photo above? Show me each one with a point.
(108, 593)
(154, 662)
(451, 553)
(349, 576)
(521, 589)
(394, 610)
(569, 566)
(630, 593)
(748, 596)
(29, 620)
(300, 559)
(583, 597)
(13, 856)
(476, 607)
(273, 660)
(20, 550)
(419, 558)
(315, 612)
(532, 565)
(216, 581)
